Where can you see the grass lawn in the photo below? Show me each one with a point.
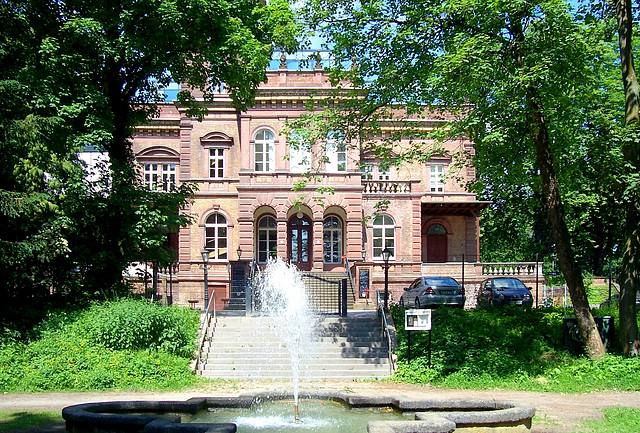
(616, 420)
(11, 420)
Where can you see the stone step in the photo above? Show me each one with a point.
(344, 348)
(345, 353)
(314, 364)
(347, 375)
(342, 337)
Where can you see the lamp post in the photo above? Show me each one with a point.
(386, 254)
(205, 260)
(239, 252)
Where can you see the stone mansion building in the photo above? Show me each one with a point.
(245, 210)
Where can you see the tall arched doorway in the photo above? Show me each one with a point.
(300, 242)
(437, 244)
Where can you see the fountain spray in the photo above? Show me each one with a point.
(284, 299)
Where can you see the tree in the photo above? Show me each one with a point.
(77, 73)
(630, 138)
(513, 74)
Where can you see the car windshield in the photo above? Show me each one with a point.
(440, 282)
(508, 283)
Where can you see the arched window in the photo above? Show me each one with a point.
(384, 229)
(437, 229)
(267, 238)
(216, 236)
(332, 240)
(264, 157)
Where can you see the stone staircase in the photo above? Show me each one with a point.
(343, 348)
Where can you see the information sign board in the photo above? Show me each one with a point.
(417, 320)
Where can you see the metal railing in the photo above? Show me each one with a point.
(385, 330)
(347, 268)
(204, 328)
(326, 296)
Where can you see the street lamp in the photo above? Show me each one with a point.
(386, 254)
(205, 260)
(239, 252)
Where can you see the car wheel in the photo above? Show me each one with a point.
(417, 302)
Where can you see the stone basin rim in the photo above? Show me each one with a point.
(433, 415)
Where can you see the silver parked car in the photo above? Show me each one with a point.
(429, 292)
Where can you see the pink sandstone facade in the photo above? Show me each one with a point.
(244, 169)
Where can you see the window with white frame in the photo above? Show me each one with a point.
(159, 176)
(336, 153)
(216, 236)
(264, 153)
(436, 177)
(299, 156)
(267, 239)
(384, 235)
(332, 240)
(384, 174)
(366, 171)
(216, 162)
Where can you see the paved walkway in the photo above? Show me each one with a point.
(557, 413)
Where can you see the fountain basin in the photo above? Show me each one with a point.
(422, 415)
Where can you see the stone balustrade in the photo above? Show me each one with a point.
(511, 269)
(386, 186)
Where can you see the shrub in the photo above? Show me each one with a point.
(77, 352)
(140, 325)
(505, 347)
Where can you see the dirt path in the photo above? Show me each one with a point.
(557, 413)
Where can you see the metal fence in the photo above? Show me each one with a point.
(326, 296)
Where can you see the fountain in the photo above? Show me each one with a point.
(284, 304)
(405, 414)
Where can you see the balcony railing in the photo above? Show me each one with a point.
(386, 186)
(511, 269)
(483, 270)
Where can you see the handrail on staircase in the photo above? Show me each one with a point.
(347, 267)
(385, 331)
(204, 328)
(249, 289)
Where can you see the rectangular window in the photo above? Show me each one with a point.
(216, 163)
(366, 170)
(300, 159)
(436, 178)
(336, 158)
(383, 175)
(160, 177)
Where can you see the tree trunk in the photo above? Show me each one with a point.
(566, 258)
(630, 268)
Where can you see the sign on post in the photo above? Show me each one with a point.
(417, 320)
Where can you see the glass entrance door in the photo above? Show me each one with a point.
(300, 242)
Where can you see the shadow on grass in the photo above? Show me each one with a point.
(31, 421)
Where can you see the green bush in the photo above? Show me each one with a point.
(141, 325)
(505, 348)
(77, 353)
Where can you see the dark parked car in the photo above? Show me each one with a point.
(429, 292)
(501, 291)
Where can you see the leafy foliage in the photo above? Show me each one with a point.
(506, 348)
(150, 348)
(77, 74)
(138, 325)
